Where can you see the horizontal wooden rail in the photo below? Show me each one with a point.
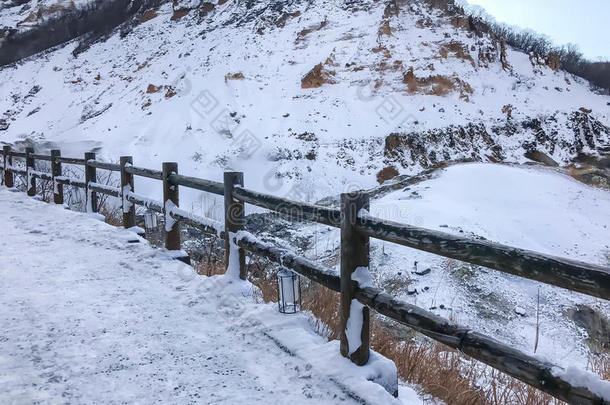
(37, 156)
(292, 209)
(104, 189)
(151, 204)
(71, 161)
(143, 172)
(209, 186)
(18, 154)
(104, 165)
(288, 259)
(204, 224)
(570, 274)
(70, 182)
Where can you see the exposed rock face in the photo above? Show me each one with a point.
(69, 23)
(430, 148)
(540, 139)
(596, 325)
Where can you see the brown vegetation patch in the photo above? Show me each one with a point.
(487, 55)
(148, 15)
(385, 29)
(386, 173)
(458, 50)
(424, 23)
(460, 22)
(171, 92)
(153, 89)
(221, 2)
(141, 66)
(317, 76)
(178, 14)
(382, 49)
(553, 61)
(234, 76)
(508, 110)
(591, 175)
(437, 85)
(205, 8)
(281, 22)
(306, 31)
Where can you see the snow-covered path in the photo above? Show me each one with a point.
(92, 314)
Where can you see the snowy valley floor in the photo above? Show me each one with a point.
(93, 314)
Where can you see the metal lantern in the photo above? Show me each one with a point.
(288, 291)
(150, 220)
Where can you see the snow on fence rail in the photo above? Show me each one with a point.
(356, 228)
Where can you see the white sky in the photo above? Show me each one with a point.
(582, 22)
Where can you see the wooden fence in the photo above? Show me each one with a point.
(357, 227)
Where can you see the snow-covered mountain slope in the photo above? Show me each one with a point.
(532, 208)
(93, 314)
(400, 85)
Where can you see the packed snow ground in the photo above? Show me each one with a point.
(91, 313)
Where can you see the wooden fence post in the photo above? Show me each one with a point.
(90, 177)
(127, 186)
(171, 197)
(58, 189)
(234, 219)
(355, 328)
(8, 161)
(29, 167)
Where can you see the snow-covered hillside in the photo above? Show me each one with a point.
(93, 314)
(221, 87)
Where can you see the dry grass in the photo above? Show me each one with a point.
(210, 265)
(601, 365)
(113, 214)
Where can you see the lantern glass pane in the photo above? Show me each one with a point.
(288, 292)
(150, 220)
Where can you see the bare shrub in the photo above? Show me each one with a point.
(317, 76)
(386, 173)
(234, 76)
